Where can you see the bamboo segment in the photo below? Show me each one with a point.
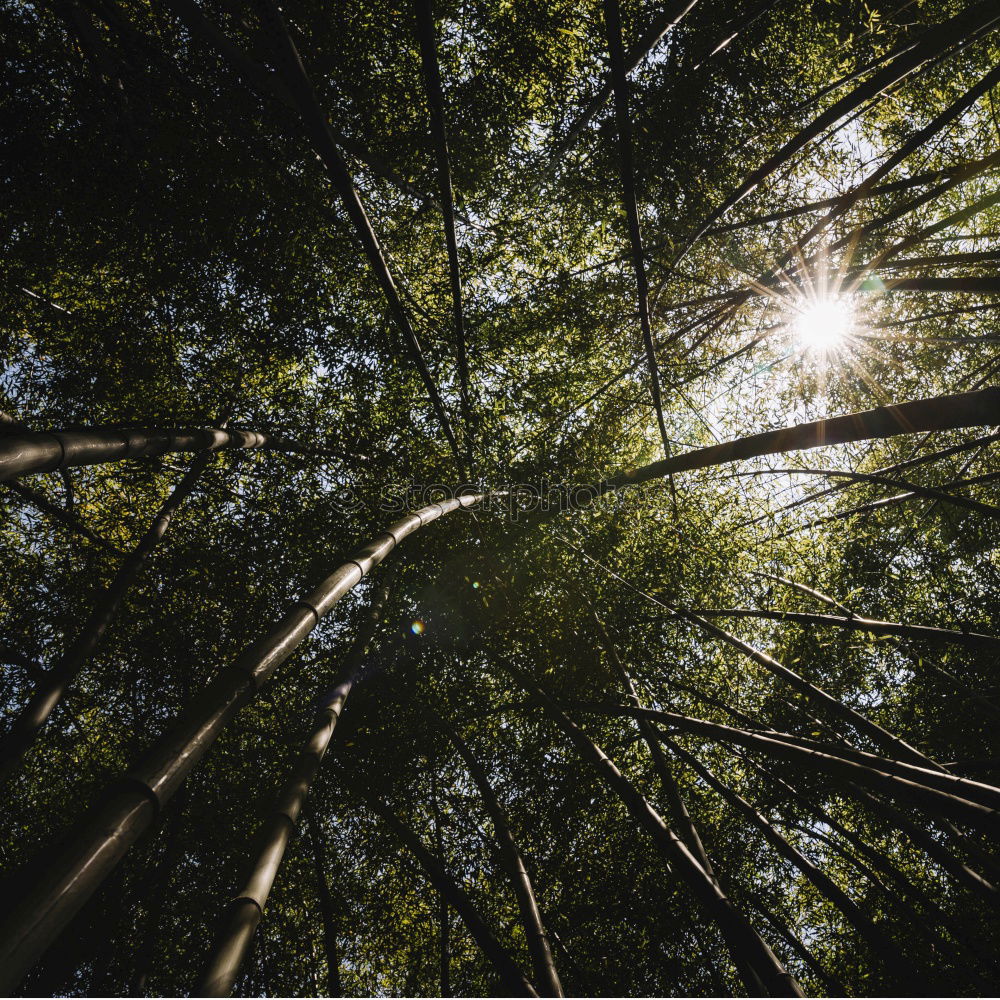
(75, 871)
(45, 451)
(236, 936)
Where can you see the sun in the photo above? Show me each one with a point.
(821, 325)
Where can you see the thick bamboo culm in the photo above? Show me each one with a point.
(246, 909)
(80, 865)
(46, 451)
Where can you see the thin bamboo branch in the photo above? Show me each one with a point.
(880, 773)
(854, 623)
(317, 128)
(59, 514)
(543, 965)
(619, 79)
(511, 976)
(978, 16)
(670, 17)
(435, 101)
(881, 947)
(51, 689)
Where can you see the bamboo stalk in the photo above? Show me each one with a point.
(511, 977)
(854, 623)
(74, 871)
(246, 909)
(757, 963)
(920, 786)
(978, 408)
(334, 985)
(317, 127)
(543, 965)
(619, 79)
(881, 947)
(673, 15)
(46, 451)
(51, 688)
(439, 130)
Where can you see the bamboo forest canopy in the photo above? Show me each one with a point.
(575, 424)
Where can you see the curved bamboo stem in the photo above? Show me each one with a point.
(74, 871)
(246, 909)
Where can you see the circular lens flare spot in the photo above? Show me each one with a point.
(822, 325)
(418, 627)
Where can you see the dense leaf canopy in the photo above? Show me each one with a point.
(194, 225)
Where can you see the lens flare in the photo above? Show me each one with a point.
(418, 627)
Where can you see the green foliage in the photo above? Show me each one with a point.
(172, 247)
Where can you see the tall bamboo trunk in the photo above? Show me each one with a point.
(246, 909)
(52, 687)
(978, 408)
(510, 975)
(755, 960)
(77, 868)
(543, 964)
(882, 948)
(426, 35)
(47, 451)
(619, 79)
(331, 948)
